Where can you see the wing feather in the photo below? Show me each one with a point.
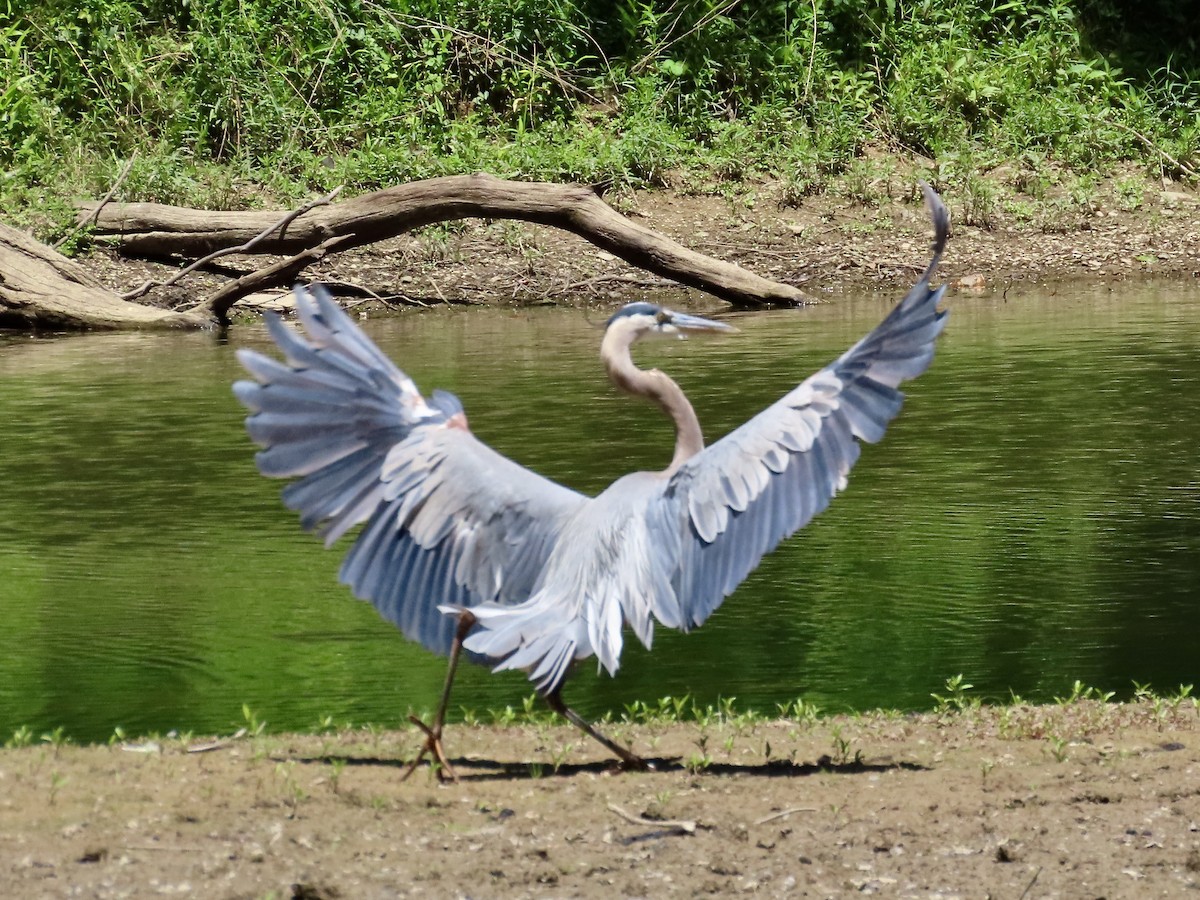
(449, 521)
(726, 507)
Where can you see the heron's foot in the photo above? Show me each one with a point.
(433, 749)
(632, 763)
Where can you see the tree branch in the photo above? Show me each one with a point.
(83, 223)
(282, 272)
(280, 226)
(149, 229)
(41, 288)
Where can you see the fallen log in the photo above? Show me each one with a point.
(156, 230)
(41, 288)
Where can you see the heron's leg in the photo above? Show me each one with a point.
(433, 734)
(629, 760)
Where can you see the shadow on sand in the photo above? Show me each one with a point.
(480, 770)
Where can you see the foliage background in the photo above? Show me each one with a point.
(243, 102)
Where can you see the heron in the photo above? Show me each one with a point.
(463, 548)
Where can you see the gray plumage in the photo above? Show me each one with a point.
(546, 576)
(671, 546)
(449, 519)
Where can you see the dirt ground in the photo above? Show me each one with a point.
(1078, 800)
(877, 236)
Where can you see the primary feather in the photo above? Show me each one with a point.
(449, 520)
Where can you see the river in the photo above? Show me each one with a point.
(1031, 519)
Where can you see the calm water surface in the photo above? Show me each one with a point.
(1032, 518)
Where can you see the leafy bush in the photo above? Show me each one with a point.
(290, 95)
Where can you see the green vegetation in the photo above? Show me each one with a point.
(956, 697)
(230, 104)
(1015, 718)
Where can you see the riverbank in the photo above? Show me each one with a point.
(1078, 799)
(873, 235)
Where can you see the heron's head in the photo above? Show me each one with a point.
(636, 320)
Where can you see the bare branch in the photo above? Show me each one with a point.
(784, 813)
(41, 288)
(280, 226)
(681, 827)
(154, 229)
(270, 276)
(125, 170)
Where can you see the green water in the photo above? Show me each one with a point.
(1032, 518)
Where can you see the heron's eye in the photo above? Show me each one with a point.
(662, 317)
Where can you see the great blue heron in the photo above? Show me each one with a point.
(463, 547)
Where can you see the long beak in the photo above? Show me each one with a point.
(686, 323)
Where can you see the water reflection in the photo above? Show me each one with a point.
(1030, 519)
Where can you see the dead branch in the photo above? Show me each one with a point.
(149, 229)
(685, 826)
(784, 814)
(41, 288)
(282, 272)
(128, 167)
(247, 247)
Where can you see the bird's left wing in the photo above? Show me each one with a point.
(449, 520)
(724, 508)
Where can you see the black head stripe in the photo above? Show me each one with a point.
(634, 309)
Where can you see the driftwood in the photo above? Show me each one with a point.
(41, 288)
(155, 230)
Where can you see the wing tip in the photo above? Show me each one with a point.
(939, 215)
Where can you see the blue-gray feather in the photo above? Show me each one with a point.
(449, 521)
(670, 549)
(735, 501)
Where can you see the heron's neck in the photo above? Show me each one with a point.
(658, 388)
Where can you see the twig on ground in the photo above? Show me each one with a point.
(751, 249)
(437, 290)
(171, 849)
(218, 744)
(590, 283)
(784, 812)
(404, 300)
(342, 286)
(395, 300)
(1029, 886)
(370, 294)
(683, 827)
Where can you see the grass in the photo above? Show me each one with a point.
(1081, 708)
(265, 102)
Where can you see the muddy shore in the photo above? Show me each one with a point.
(1081, 799)
(828, 245)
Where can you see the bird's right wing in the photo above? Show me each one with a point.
(449, 520)
(727, 506)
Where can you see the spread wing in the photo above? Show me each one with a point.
(737, 499)
(449, 520)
